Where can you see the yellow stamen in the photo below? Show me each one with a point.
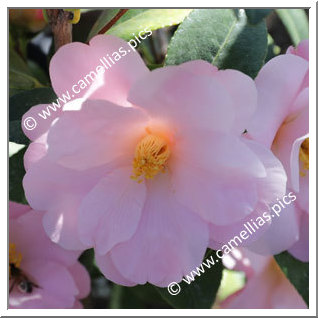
(151, 155)
(304, 156)
(14, 257)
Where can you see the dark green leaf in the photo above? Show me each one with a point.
(38, 73)
(140, 296)
(17, 64)
(221, 37)
(296, 23)
(19, 104)
(23, 81)
(87, 258)
(201, 292)
(14, 91)
(147, 294)
(255, 16)
(297, 272)
(16, 174)
(16, 134)
(102, 20)
(130, 14)
(20, 77)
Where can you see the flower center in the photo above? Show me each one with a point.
(151, 155)
(304, 156)
(14, 258)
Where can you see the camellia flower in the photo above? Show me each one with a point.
(266, 287)
(41, 273)
(281, 122)
(142, 181)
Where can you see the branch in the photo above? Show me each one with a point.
(61, 26)
(120, 13)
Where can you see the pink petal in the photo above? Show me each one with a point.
(301, 104)
(82, 279)
(242, 259)
(272, 186)
(31, 117)
(282, 234)
(58, 191)
(77, 305)
(224, 234)
(42, 116)
(278, 84)
(218, 199)
(254, 175)
(74, 61)
(60, 223)
(27, 233)
(300, 249)
(188, 99)
(301, 50)
(267, 289)
(88, 135)
(291, 299)
(106, 265)
(199, 67)
(17, 209)
(240, 87)
(110, 212)
(217, 152)
(170, 240)
(289, 137)
(36, 151)
(57, 288)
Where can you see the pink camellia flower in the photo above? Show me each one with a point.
(281, 123)
(42, 274)
(142, 180)
(266, 288)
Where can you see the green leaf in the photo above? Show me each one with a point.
(87, 258)
(136, 22)
(102, 20)
(16, 174)
(222, 37)
(201, 292)
(296, 23)
(140, 296)
(20, 77)
(255, 16)
(19, 104)
(147, 294)
(130, 14)
(16, 63)
(297, 272)
(14, 91)
(23, 81)
(16, 133)
(38, 73)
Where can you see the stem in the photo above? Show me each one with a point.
(120, 13)
(61, 27)
(115, 300)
